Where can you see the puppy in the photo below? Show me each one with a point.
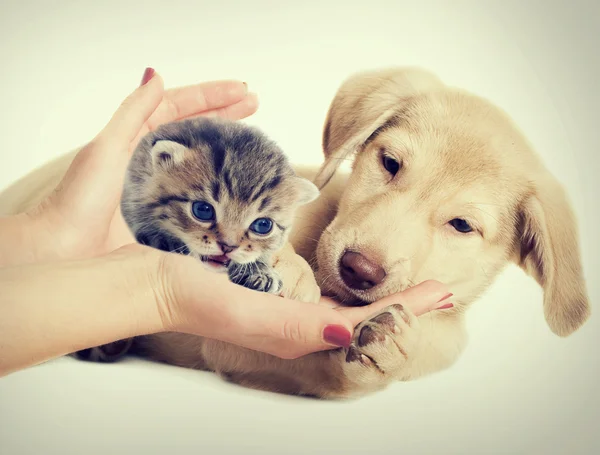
(443, 186)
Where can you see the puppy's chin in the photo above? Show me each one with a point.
(333, 286)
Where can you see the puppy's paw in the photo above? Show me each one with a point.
(299, 281)
(383, 347)
(256, 276)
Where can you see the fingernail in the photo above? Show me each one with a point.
(445, 297)
(245, 87)
(446, 306)
(148, 74)
(337, 335)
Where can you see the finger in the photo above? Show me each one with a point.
(242, 109)
(207, 304)
(310, 327)
(195, 99)
(134, 112)
(420, 299)
(165, 114)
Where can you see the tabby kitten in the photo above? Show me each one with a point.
(218, 190)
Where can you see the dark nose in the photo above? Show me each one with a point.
(227, 248)
(359, 272)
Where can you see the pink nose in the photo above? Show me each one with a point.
(227, 248)
(359, 272)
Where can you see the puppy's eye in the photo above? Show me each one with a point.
(390, 164)
(262, 226)
(461, 225)
(203, 211)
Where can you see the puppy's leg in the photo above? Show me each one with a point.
(396, 345)
(391, 346)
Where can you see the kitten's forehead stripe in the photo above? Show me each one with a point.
(164, 200)
(266, 186)
(264, 203)
(216, 190)
(218, 153)
(227, 182)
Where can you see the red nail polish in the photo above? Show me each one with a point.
(337, 335)
(148, 74)
(445, 297)
(446, 306)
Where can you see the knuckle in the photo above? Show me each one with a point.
(292, 331)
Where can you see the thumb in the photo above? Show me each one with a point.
(205, 303)
(289, 328)
(135, 110)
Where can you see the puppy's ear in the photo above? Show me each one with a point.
(549, 251)
(364, 103)
(166, 154)
(305, 191)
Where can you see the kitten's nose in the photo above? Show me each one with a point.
(359, 272)
(226, 248)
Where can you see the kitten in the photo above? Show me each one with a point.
(218, 190)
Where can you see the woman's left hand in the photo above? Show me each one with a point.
(82, 217)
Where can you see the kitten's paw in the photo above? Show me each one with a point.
(256, 276)
(110, 352)
(299, 281)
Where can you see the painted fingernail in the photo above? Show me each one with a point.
(337, 335)
(446, 306)
(148, 74)
(445, 297)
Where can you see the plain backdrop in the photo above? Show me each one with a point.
(518, 389)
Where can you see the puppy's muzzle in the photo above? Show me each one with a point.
(359, 272)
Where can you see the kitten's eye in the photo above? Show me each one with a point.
(461, 225)
(262, 226)
(203, 211)
(390, 164)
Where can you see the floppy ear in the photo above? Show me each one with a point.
(166, 154)
(549, 251)
(363, 103)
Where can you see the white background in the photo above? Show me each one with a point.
(65, 67)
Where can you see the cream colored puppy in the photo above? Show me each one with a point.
(443, 186)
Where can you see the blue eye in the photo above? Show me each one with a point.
(262, 226)
(203, 211)
(461, 225)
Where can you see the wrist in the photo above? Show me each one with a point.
(195, 300)
(25, 231)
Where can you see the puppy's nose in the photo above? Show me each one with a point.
(359, 272)
(227, 248)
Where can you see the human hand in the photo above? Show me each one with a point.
(82, 217)
(286, 328)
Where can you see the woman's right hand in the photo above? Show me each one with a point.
(198, 301)
(51, 309)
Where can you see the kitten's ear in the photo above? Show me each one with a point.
(166, 154)
(306, 191)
